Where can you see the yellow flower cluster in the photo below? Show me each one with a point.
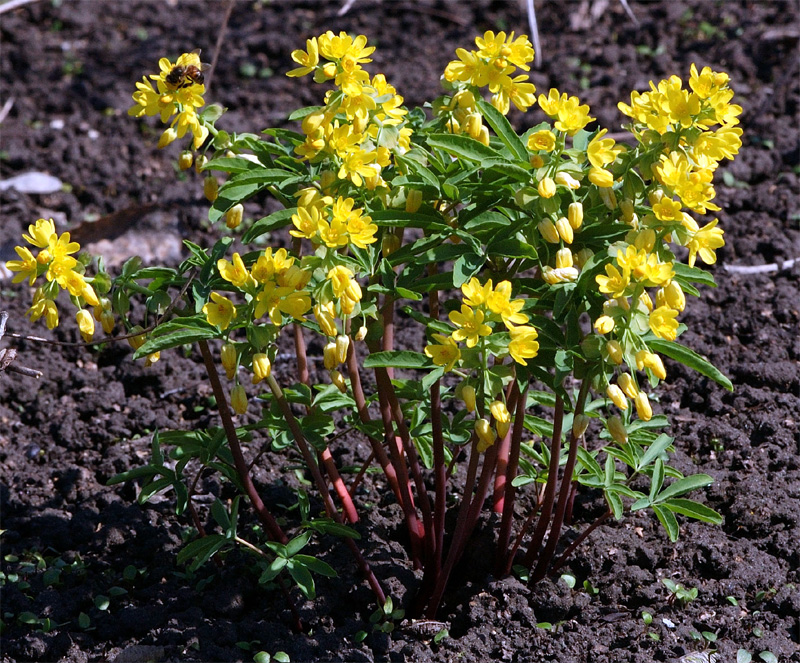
(333, 223)
(483, 304)
(274, 285)
(683, 122)
(60, 269)
(362, 122)
(492, 65)
(175, 92)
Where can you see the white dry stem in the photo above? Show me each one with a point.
(761, 269)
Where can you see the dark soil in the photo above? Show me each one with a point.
(70, 68)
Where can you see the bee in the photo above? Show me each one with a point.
(181, 76)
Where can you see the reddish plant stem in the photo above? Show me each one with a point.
(573, 546)
(439, 464)
(360, 476)
(387, 340)
(363, 413)
(431, 603)
(326, 458)
(566, 483)
(504, 536)
(503, 452)
(550, 488)
(385, 387)
(263, 513)
(322, 486)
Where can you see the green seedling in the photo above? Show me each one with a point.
(679, 593)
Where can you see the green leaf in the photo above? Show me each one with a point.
(180, 331)
(243, 185)
(101, 602)
(282, 657)
(503, 129)
(201, 550)
(685, 485)
(654, 451)
(461, 146)
(232, 165)
(27, 618)
(297, 544)
(691, 359)
(397, 359)
(266, 224)
(271, 572)
(743, 656)
(694, 510)
(262, 657)
(668, 520)
(768, 657)
(84, 621)
(303, 578)
(658, 479)
(337, 529)
(465, 267)
(316, 565)
(220, 514)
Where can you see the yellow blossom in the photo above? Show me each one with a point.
(523, 344)
(235, 272)
(220, 311)
(470, 325)
(85, 324)
(602, 151)
(663, 323)
(705, 242)
(27, 267)
(445, 352)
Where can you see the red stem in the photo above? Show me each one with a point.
(504, 536)
(503, 452)
(263, 513)
(566, 483)
(550, 489)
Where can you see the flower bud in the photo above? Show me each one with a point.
(617, 429)
(361, 334)
(233, 217)
(413, 200)
(262, 368)
(673, 294)
(626, 383)
(604, 324)
(228, 359)
(645, 359)
(486, 434)
(564, 258)
(614, 351)
(536, 161)
(616, 395)
(85, 324)
(579, 425)
(342, 344)
(547, 188)
(329, 70)
(138, 340)
(628, 210)
(559, 275)
(548, 231)
(582, 257)
(567, 180)
(645, 240)
(483, 137)
(107, 321)
(329, 356)
(239, 399)
(646, 301)
(608, 197)
(389, 244)
(601, 177)
(338, 380)
(313, 121)
(564, 230)
(210, 188)
(575, 215)
(468, 396)
(326, 179)
(167, 137)
(151, 359)
(655, 196)
(326, 321)
(472, 125)
(501, 416)
(643, 408)
(200, 162)
(185, 160)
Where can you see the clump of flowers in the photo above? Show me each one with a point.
(542, 269)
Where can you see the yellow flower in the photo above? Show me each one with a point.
(552, 102)
(42, 306)
(221, 312)
(77, 286)
(615, 283)
(326, 318)
(228, 357)
(572, 116)
(543, 140)
(643, 408)
(308, 61)
(344, 284)
(27, 266)
(604, 324)
(275, 300)
(617, 397)
(601, 151)
(445, 353)
(546, 187)
(575, 215)
(474, 293)
(601, 178)
(663, 323)
(85, 324)
(705, 242)
(358, 225)
(499, 302)
(626, 383)
(41, 233)
(358, 164)
(470, 325)
(235, 273)
(523, 344)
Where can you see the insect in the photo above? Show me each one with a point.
(181, 76)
